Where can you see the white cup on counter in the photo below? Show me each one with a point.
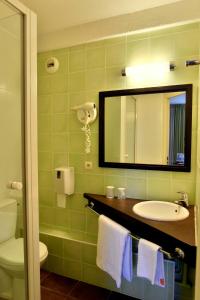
(110, 192)
(121, 193)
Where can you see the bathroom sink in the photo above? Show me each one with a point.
(160, 211)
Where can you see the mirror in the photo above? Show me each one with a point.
(148, 128)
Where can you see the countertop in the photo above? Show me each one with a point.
(168, 234)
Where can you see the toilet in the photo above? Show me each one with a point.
(12, 253)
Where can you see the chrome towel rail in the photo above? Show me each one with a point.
(178, 253)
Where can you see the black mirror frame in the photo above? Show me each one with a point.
(188, 126)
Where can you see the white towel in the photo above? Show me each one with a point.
(114, 250)
(150, 262)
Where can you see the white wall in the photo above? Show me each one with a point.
(10, 101)
(128, 122)
(112, 129)
(150, 130)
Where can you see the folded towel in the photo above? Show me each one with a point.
(127, 267)
(114, 250)
(150, 262)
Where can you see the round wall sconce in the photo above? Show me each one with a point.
(52, 65)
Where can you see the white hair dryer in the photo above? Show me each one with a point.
(86, 112)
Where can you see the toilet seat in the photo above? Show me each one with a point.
(43, 251)
(12, 254)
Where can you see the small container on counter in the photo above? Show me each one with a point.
(110, 192)
(121, 193)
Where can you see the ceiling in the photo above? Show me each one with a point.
(55, 15)
(66, 23)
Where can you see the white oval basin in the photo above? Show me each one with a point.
(160, 211)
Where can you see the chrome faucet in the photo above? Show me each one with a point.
(183, 201)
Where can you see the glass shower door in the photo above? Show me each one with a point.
(12, 165)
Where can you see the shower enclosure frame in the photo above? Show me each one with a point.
(30, 139)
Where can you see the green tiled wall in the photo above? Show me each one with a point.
(84, 71)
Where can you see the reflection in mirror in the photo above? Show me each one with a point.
(151, 128)
(146, 127)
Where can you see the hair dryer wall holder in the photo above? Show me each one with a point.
(86, 112)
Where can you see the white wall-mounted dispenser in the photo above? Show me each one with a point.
(86, 114)
(64, 184)
(64, 180)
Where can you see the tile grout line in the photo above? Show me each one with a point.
(109, 295)
(73, 288)
(50, 289)
(45, 277)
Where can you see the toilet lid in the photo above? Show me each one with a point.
(12, 252)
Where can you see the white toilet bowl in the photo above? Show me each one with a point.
(12, 253)
(12, 256)
(12, 267)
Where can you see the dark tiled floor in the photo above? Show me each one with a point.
(85, 291)
(56, 287)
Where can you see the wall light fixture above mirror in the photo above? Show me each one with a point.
(147, 128)
(142, 69)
